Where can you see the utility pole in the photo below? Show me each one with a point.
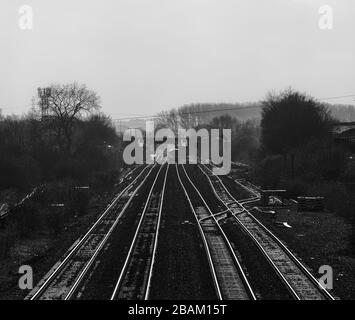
(44, 94)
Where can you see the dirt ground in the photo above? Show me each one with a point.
(318, 238)
(43, 250)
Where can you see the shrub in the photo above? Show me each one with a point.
(71, 168)
(7, 239)
(320, 159)
(102, 179)
(352, 239)
(337, 198)
(18, 172)
(294, 188)
(270, 170)
(349, 174)
(55, 219)
(26, 218)
(79, 202)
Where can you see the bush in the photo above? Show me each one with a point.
(290, 120)
(54, 219)
(7, 239)
(320, 159)
(58, 192)
(18, 172)
(102, 179)
(352, 239)
(26, 218)
(269, 171)
(337, 198)
(71, 168)
(349, 174)
(294, 188)
(79, 202)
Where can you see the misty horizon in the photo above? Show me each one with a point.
(142, 57)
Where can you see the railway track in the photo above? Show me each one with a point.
(135, 277)
(229, 279)
(295, 276)
(70, 272)
(181, 269)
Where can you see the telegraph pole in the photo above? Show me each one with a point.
(44, 94)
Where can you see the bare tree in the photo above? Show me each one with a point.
(188, 119)
(168, 119)
(66, 104)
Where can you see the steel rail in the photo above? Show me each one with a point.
(156, 238)
(133, 243)
(326, 294)
(287, 250)
(301, 267)
(203, 237)
(103, 242)
(241, 273)
(66, 260)
(281, 276)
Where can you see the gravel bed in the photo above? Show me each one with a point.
(103, 276)
(181, 270)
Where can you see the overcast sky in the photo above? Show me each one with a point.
(142, 56)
